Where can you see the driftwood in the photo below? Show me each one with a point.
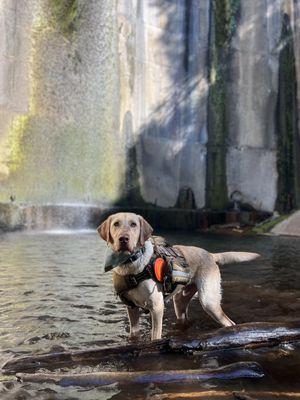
(256, 334)
(231, 371)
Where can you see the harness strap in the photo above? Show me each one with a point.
(171, 252)
(174, 273)
(134, 280)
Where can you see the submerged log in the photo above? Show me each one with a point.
(231, 371)
(257, 334)
(85, 357)
(221, 394)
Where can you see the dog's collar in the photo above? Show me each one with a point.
(114, 259)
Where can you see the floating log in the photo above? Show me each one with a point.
(257, 334)
(231, 371)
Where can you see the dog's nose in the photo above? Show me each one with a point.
(124, 239)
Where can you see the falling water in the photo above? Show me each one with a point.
(103, 102)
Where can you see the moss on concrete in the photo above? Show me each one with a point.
(226, 14)
(19, 125)
(266, 226)
(288, 145)
(64, 15)
(224, 22)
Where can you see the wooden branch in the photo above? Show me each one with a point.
(257, 334)
(231, 371)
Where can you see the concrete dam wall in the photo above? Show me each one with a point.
(172, 103)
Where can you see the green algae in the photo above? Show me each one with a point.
(224, 22)
(267, 225)
(52, 159)
(226, 13)
(288, 145)
(64, 15)
(20, 124)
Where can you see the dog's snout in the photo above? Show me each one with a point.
(124, 239)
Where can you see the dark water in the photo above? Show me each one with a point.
(53, 294)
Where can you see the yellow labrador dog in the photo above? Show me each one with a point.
(126, 234)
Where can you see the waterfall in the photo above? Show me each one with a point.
(144, 103)
(59, 145)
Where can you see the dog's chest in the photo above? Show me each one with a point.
(144, 295)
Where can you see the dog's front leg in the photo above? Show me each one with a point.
(134, 321)
(157, 313)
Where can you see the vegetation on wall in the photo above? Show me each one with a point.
(224, 19)
(64, 15)
(288, 143)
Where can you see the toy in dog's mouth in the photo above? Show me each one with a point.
(114, 258)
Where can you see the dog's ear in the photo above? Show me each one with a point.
(145, 230)
(104, 230)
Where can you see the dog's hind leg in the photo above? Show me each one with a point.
(181, 301)
(209, 291)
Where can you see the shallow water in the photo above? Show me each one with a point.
(53, 294)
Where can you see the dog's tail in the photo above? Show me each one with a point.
(234, 257)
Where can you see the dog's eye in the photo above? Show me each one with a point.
(133, 224)
(116, 224)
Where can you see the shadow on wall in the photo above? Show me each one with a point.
(167, 162)
(166, 159)
(288, 138)
(178, 158)
(166, 165)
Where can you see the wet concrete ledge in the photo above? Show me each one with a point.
(290, 226)
(75, 216)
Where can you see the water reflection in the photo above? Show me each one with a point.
(53, 294)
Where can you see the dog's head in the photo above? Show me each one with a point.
(125, 232)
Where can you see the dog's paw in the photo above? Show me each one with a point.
(134, 335)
